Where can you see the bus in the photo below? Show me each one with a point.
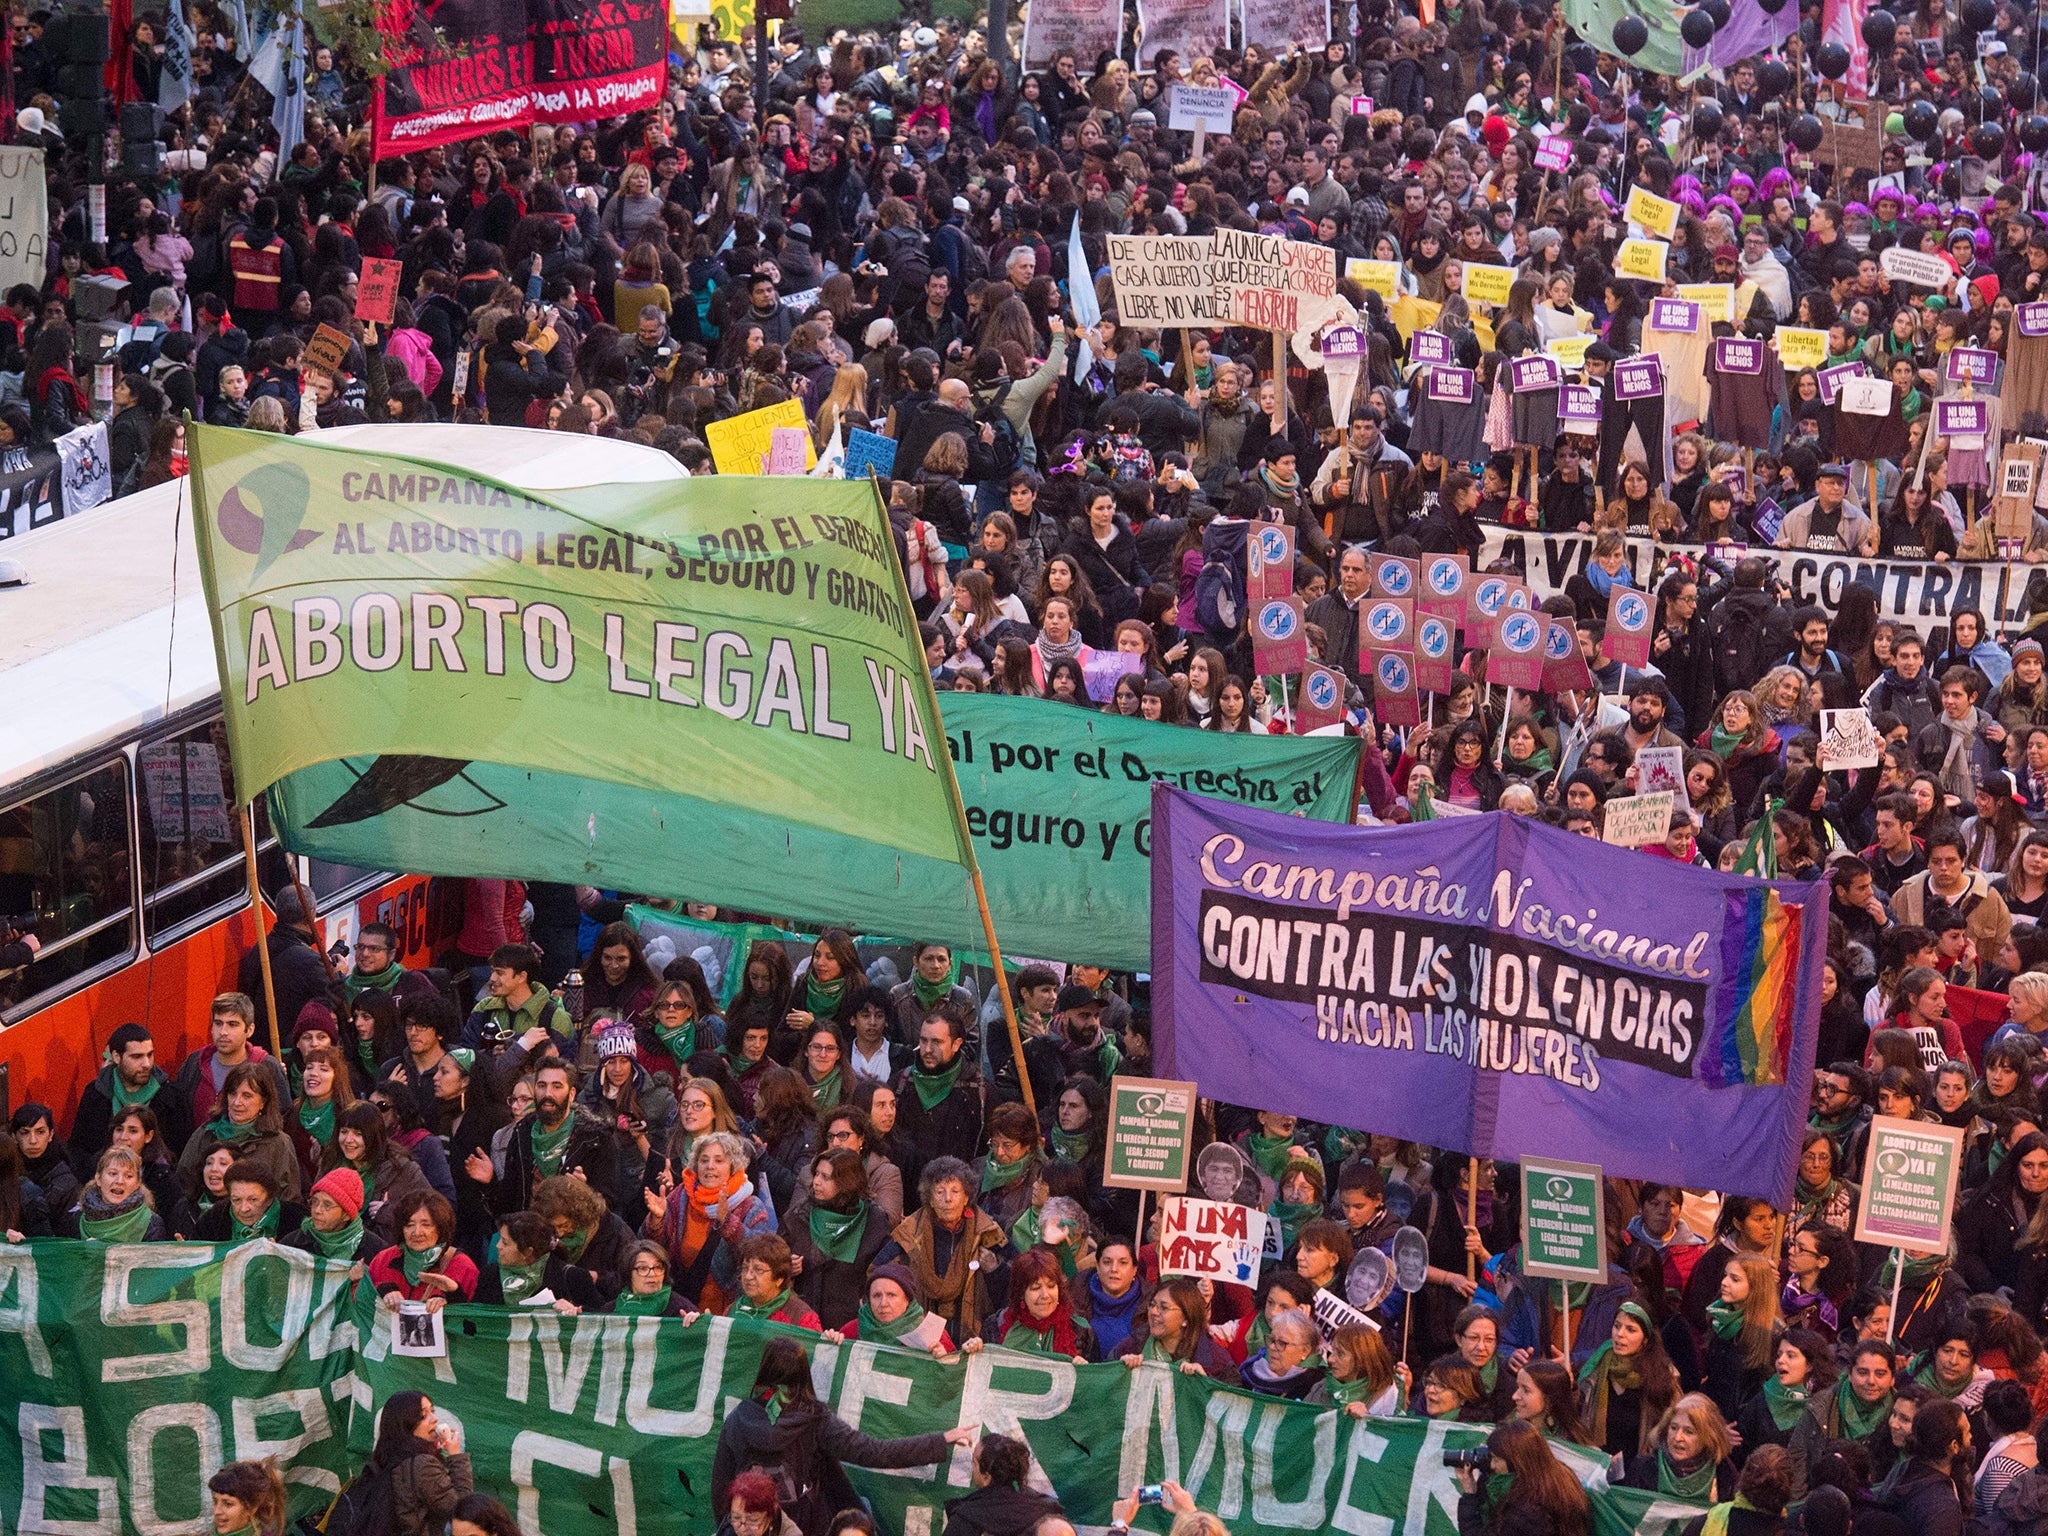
(123, 882)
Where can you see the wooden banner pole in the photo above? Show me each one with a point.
(247, 822)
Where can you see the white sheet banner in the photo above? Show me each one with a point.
(88, 467)
(1277, 24)
(1191, 28)
(24, 218)
(1085, 28)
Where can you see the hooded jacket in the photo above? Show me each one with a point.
(807, 1445)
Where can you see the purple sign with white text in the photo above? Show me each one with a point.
(1578, 406)
(1489, 984)
(2032, 319)
(1831, 379)
(1971, 365)
(1430, 347)
(1452, 386)
(1738, 354)
(1674, 315)
(1532, 373)
(1639, 378)
(1961, 418)
(1554, 153)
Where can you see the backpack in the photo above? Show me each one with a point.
(1740, 645)
(366, 1507)
(1220, 586)
(1002, 456)
(1129, 463)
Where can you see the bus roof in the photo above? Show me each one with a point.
(109, 634)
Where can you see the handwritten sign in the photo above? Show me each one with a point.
(1639, 378)
(1271, 284)
(1570, 351)
(328, 349)
(1430, 347)
(787, 448)
(1382, 277)
(1642, 259)
(1529, 374)
(1163, 280)
(1656, 214)
(1738, 354)
(740, 444)
(377, 290)
(1674, 315)
(1661, 768)
(1486, 283)
(1452, 386)
(1800, 348)
(1849, 740)
(1636, 821)
(866, 451)
(1210, 1240)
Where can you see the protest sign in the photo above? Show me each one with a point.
(1321, 699)
(185, 792)
(869, 451)
(1661, 768)
(1971, 365)
(1210, 1240)
(1738, 354)
(328, 349)
(1151, 1127)
(1529, 374)
(788, 448)
(740, 443)
(1085, 28)
(1387, 624)
(1564, 668)
(2031, 319)
(1832, 380)
(1430, 347)
(1343, 343)
(1627, 639)
(1921, 268)
(24, 218)
(1276, 25)
(1639, 378)
(1800, 348)
(1909, 1184)
(1209, 109)
(1578, 408)
(1396, 575)
(1716, 300)
(1269, 562)
(1569, 351)
(86, 466)
(1554, 153)
(1866, 397)
(1277, 939)
(1435, 635)
(377, 291)
(1849, 740)
(1486, 283)
(1515, 659)
(1452, 386)
(1382, 277)
(1193, 29)
(1564, 1221)
(1331, 1312)
(1656, 214)
(1487, 595)
(1163, 280)
(1643, 259)
(1393, 682)
(1279, 636)
(1674, 315)
(1442, 587)
(1102, 670)
(1271, 284)
(1962, 418)
(1636, 821)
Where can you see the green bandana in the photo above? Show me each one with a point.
(930, 994)
(630, 1305)
(369, 1178)
(1489, 1373)
(828, 1090)
(1156, 1351)
(359, 982)
(226, 1130)
(1675, 1483)
(1495, 1493)
(520, 1281)
(995, 1175)
(572, 1246)
(1345, 1393)
(1859, 1418)
(1256, 1336)
(120, 1093)
(1725, 1318)
(1723, 742)
(266, 1225)
(874, 1329)
(822, 998)
(765, 1310)
(1270, 1153)
(1024, 1230)
(417, 1261)
(244, 1530)
(1290, 1215)
(1834, 1127)
(1072, 1148)
(128, 1227)
(1920, 1272)
(837, 1234)
(1931, 1378)
(1786, 1403)
(735, 1043)
(1028, 1341)
(336, 1245)
(1339, 1143)
(550, 1147)
(366, 1053)
(464, 1059)
(318, 1119)
(680, 1042)
(775, 1402)
(932, 1087)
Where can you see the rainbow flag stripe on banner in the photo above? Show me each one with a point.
(1752, 1035)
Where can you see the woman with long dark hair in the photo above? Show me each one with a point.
(423, 1462)
(763, 999)
(1626, 1385)
(617, 980)
(1526, 1491)
(835, 1232)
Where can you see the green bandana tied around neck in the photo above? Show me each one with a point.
(417, 1261)
(369, 1178)
(822, 998)
(1339, 1143)
(1489, 1373)
(244, 1530)
(1725, 1318)
(128, 1227)
(930, 994)
(520, 1281)
(872, 1328)
(1345, 1393)
(1919, 1271)
(1859, 1418)
(1723, 742)
(1696, 1485)
(1290, 1215)
(366, 1053)
(995, 1175)
(680, 1042)
(1495, 1493)
(1996, 1157)
(932, 1087)
(838, 1234)
(1028, 1341)
(1256, 1336)
(550, 1147)
(774, 1402)
(226, 1130)
(762, 1311)
(1786, 1403)
(1269, 1153)
(1072, 1148)
(828, 1090)
(341, 1244)
(1024, 1230)
(655, 1304)
(266, 1225)
(124, 1097)
(318, 1119)
(1930, 1377)
(572, 1246)
(1155, 1351)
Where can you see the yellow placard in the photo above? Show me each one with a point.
(1382, 277)
(1716, 300)
(1642, 259)
(1659, 215)
(1411, 314)
(1570, 351)
(739, 444)
(1801, 348)
(1482, 328)
(1487, 284)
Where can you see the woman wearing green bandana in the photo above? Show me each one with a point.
(1950, 1368)
(248, 1499)
(249, 1121)
(823, 1067)
(1742, 1324)
(1174, 1330)
(934, 983)
(681, 1023)
(767, 1276)
(1855, 1410)
(827, 987)
(389, 1175)
(1770, 1416)
(1363, 1380)
(1691, 1458)
(1077, 1121)
(834, 1233)
(114, 1207)
(647, 1292)
(323, 1091)
(892, 1315)
(1626, 1384)
(1299, 1199)
(375, 1036)
(1270, 1146)
(1523, 1491)
(253, 1209)
(527, 1264)
(333, 1227)
(1009, 1169)
(424, 1265)
(746, 1058)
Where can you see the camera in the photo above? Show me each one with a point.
(1151, 1493)
(1477, 1457)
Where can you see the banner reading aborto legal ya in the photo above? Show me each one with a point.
(1490, 984)
(710, 685)
(132, 1373)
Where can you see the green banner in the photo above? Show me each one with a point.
(1059, 802)
(1594, 20)
(717, 678)
(139, 1370)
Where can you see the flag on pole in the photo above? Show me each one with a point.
(237, 12)
(1081, 296)
(288, 113)
(174, 86)
(1760, 853)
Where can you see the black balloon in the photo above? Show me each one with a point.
(1880, 29)
(1773, 79)
(1770, 7)
(1921, 120)
(1832, 60)
(2024, 93)
(1697, 29)
(1805, 132)
(1987, 139)
(1990, 105)
(1631, 35)
(1718, 9)
(1980, 15)
(1706, 121)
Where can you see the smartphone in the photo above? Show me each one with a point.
(1151, 1493)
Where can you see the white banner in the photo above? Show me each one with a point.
(1085, 28)
(1163, 280)
(88, 467)
(1904, 266)
(24, 218)
(1271, 284)
(1280, 24)
(1191, 28)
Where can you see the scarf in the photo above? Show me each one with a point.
(1725, 1318)
(1290, 1216)
(266, 1225)
(366, 1053)
(1607, 1371)
(1919, 1272)
(1269, 1153)
(1928, 1374)
(1489, 1373)
(1157, 1353)
(932, 1087)
(417, 1261)
(763, 1311)
(226, 1130)
(1795, 1302)
(369, 1178)
(837, 1234)
(520, 1281)
(1285, 487)
(822, 998)
(318, 1120)
(1785, 1403)
(827, 1092)
(1723, 742)
(1858, 1418)
(340, 1244)
(956, 1285)
(680, 1042)
(1071, 1147)
(631, 1304)
(1956, 777)
(121, 1095)
(693, 1222)
(1345, 1393)
(1603, 581)
(550, 1147)
(873, 1328)
(930, 994)
(1683, 1480)
(1054, 652)
(774, 1403)
(572, 1246)
(995, 1175)
(1052, 1334)
(104, 1223)
(1808, 1204)
(357, 982)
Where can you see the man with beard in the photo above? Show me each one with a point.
(1076, 1044)
(130, 1077)
(560, 1138)
(938, 1099)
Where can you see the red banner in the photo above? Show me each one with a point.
(510, 63)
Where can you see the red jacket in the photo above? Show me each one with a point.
(387, 1275)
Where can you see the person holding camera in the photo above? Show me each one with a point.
(421, 1464)
(1515, 1487)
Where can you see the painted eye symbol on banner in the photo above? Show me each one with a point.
(1444, 577)
(1393, 674)
(1632, 613)
(1272, 546)
(1385, 622)
(1394, 579)
(1520, 633)
(1492, 594)
(1322, 690)
(1276, 621)
(1557, 645)
(1433, 638)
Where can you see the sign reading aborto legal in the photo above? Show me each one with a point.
(1151, 1127)
(1909, 1184)
(1564, 1221)
(716, 675)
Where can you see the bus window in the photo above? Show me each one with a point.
(65, 884)
(191, 847)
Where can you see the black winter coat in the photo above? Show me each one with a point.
(999, 1511)
(295, 972)
(807, 1444)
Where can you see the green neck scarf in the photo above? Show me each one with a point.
(318, 1120)
(995, 1175)
(417, 1261)
(572, 1246)
(1256, 1336)
(244, 1530)
(822, 998)
(1495, 1493)
(1931, 1378)
(1024, 1230)
(126, 1098)
(930, 994)
(1673, 1482)
(366, 1053)
(1156, 1351)
(1859, 1418)
(382, 981)
(932, 1087)
(828, 1090)
(1920, 1272)
(1291, 1215)
(226, 1130)
(837, 1234)
(774, 1403)
(1345, 1393)
(128, 1227)
(873, 1328)
(1028, 1341)
(1489, 1373)
(550, 1147)
(266, 1224)
(1723, 742)
(680, 1042)
(1833, 1126)
(520, 1281)
(1786, 1403)
(1339, 1143)
(735, 1043)
(1269, 1153)
(762, 1311)
(1072, 1148)
(369, 1178)
(1725, 1318)
(630, 1305)
(336, 1245)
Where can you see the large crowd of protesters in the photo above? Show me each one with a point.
(888, 243)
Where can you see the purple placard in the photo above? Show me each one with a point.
(2032, 319)
(1532, 373)
(1511, 1077)
(1578, 405)
(1435, 637)
(1831, 380)
(1444, 579)
(1629, 613)
(1674, 315)
(1452, 386)
(1738, 354)
(1554, 153)
(1279, 637)
(1103, 669)
(1638, 378)
(1344, 341)
(1971, 365)
(1961, 418)
(1430, 347)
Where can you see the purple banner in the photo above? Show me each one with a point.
(1489, 984)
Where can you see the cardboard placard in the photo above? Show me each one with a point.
(1342, 342)
(1395, 575)
(1570, 351)
(2013, 507)
(377, 289)
(1656, 214)
(1279, 636)
(787, 447)
(1849, 740)
(328, 349)
(1800, 348)
(1320, 701)
(1210, 1240)
(1435, 640)
(1430, 347)
(1381, 277)
(2031, 319)
(1852, 147)
(1662, 768)
(1674, 315)
(1564, 669)
(1151, 1126)
(1444, 579)
(1486, 283)
(1918, 267)
(869, 451)
(1515, 659)
(1627, 637)
(1268, 283)
(1163, 280)
(1564, 1221)
(1269, 562)
(1387, 624)
(1910, 1168)
(1971, 365)
(1962, 418)
(1488, 595)
(1642, 259)
(1578, 408)
(1716, 300)
(1393, 684)
(739, 444)
(1210, 108)
(1636, 821)
(1865, 397)
(1832, 380)
(1452, 386)
(1554, 153)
